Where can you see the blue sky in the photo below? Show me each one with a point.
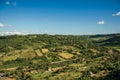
(77, 17)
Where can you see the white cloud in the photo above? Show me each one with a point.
(10, 33)
(116, 14)
(101, 22)
(14, 3)
(11, 3)
(2, 25)
(7, 3)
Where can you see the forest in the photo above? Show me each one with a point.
(60, 57)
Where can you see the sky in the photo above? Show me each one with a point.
(76, 17)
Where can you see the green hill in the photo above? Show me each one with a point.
(59, 57)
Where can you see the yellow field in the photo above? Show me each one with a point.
(45, 50)
(27, 55)
(66, 55)
(38, 53)
(11, 57)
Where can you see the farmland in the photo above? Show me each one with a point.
(60, 57)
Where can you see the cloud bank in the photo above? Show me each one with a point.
(10, 33)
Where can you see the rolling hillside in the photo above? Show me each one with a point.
(60, 57)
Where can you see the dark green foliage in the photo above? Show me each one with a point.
(114, 41)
